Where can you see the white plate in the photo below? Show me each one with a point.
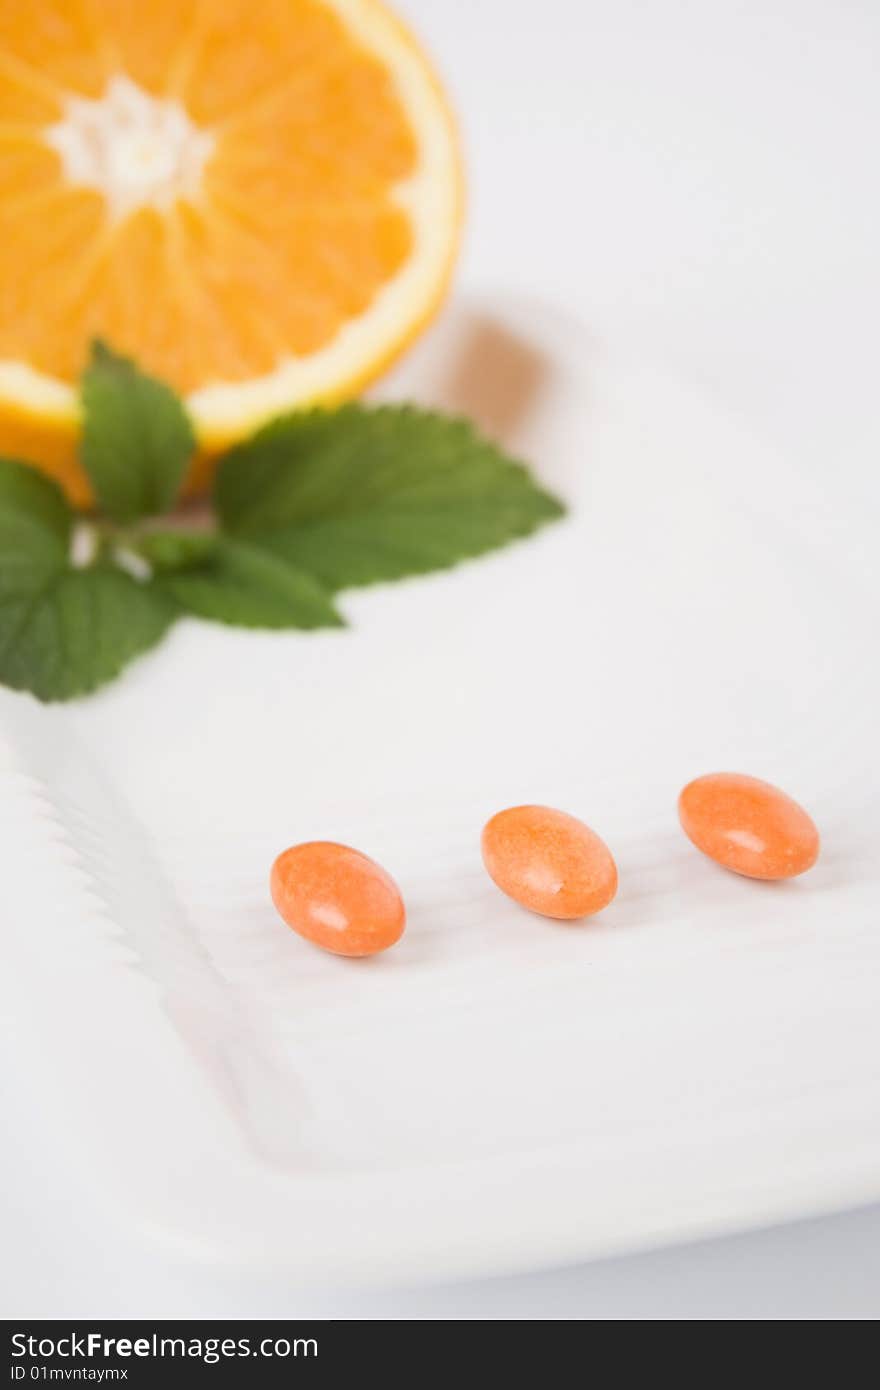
(499, 1091)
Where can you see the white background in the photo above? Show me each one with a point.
(697, 182)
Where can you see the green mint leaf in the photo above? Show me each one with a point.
(63, 631)
(137, 439)
(363, 494)
(247, 587)
(79, 631)
(35, 523)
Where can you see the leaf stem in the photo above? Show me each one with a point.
(86, 544)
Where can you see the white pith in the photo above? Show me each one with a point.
(223, 411)
(136, 149)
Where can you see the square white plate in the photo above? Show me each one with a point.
(498, 1091)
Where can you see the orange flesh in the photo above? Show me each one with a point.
(748, 826)
(294, 229)
(337, 898)
(549, 862)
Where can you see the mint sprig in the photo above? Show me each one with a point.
(313, 503)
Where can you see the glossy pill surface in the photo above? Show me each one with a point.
(337, 898)
(549, 862)
(748, 826)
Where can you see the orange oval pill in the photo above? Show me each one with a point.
(549, 862)
(338, 898)
(748, 826)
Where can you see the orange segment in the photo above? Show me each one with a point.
(258, 199)
(51, 47)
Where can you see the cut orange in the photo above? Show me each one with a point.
(258, 200)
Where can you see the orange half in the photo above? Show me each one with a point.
(258, 200)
